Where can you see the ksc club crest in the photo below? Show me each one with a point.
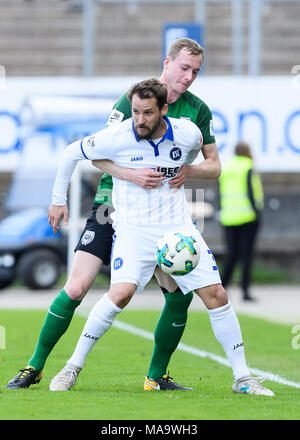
(118, 263)
(87, 237)
(175, 153)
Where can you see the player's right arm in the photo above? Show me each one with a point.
(58, 208)
(92, 147)
(55, 214)
(144, 177)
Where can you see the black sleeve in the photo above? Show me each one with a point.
(250, 191)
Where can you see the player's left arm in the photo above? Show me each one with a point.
(210, 168)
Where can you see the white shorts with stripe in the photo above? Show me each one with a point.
(133, 257)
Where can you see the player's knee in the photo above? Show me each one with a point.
(213, 296)
(120, 294)
(77, 288)
(178, 297)
(220, 295)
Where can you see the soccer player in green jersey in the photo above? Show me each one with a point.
(181, 67)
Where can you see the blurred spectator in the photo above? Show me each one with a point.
(241, 196)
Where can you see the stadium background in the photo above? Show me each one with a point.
(53, 50)
(102, 40)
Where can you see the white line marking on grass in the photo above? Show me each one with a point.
(205, 354)
(197, 352)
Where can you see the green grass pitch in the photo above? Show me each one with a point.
(110, 387)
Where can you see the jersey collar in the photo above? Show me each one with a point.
(168, 134)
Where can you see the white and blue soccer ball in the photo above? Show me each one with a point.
(177, 253)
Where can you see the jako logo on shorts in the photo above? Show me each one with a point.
(118, 263)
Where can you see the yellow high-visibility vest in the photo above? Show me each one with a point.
(236, 207)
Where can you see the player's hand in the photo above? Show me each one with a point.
(178, 181)
(146, 177)
(55, 213)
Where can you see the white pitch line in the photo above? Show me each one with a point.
(197, 352)
(205, 354)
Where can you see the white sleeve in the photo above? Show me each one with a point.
(96, 146)
(71, 155)
(192, 155)
(99, 145)
(197, 145)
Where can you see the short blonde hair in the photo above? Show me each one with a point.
(190, 45)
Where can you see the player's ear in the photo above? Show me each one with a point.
(166, 62)
(164, 110)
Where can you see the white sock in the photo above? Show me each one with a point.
(227, 330)
(99, 321)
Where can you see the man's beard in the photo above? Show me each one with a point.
(150, 132)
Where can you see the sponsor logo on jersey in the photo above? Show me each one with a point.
(175, 153)
(186, 117)
(118, 263)
(115, 117)
(168, 171)
(133, 159)
(88, 237)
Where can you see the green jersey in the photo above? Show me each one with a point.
(188, 106)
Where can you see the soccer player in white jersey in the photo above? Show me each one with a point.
(180, 68)
(150, 139)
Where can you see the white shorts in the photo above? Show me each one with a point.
(133, 258)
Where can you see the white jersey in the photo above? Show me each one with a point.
(133, 204)
(142, 216)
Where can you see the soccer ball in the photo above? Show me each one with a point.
(177, 253)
